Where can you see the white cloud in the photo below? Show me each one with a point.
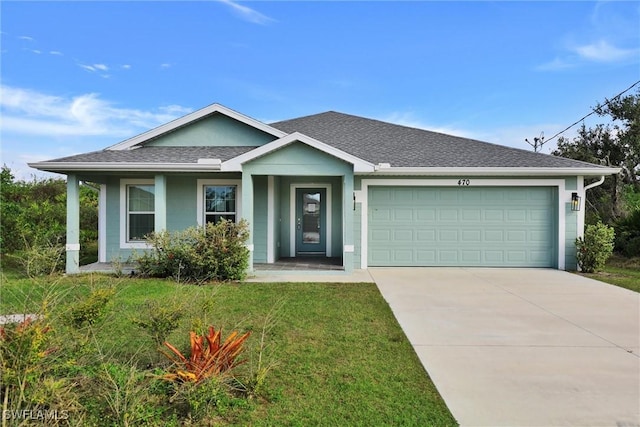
(603, 51)
(609, 35)
(55, 52)
(600, 51)
(556, 64)
(94, 67)
(28, 112)
(247, 13)
(126, 67)
(165, 65)
(408, 119)
(27, 38)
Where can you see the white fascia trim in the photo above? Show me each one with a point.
(235, 164)
(192, 117)
(124, 218)
(501, 171)
(121, 166)
(292, 216)
(200, 196)
(366, 183)
(102, 224)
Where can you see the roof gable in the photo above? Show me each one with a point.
(231, 129)
(236, 163)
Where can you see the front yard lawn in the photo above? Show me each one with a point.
(338, 355)
(619, 271)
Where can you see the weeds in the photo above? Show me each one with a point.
(159, 319)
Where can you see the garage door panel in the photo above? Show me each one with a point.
(448, 215)
(402, 214)
(517, 236)
(425, 256)
(448, 236)
(493, 215)
(471, 235)
(380, 235)
(514, 215)
(494, 236)
(381, 214)
(494, 257)
(473, 226)
(403, 236)
(472, 257)
(471, 215)
(426, 235)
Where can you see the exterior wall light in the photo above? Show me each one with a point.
(575, 202)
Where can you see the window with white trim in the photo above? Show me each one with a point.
(140, 211)
(220, 202)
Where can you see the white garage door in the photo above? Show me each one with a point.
(462, 226)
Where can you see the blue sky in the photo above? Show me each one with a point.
(79, 76)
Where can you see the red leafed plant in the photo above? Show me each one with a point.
(208, 356)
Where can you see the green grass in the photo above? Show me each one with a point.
(619, 271)
(340, 357)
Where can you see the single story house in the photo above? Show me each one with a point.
(368, 192)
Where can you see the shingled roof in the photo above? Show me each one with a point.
(372, 141)
(157, 155)
(380, 142)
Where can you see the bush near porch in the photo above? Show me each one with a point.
(333, 353)
(198, 254)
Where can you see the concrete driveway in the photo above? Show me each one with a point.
(522, 347)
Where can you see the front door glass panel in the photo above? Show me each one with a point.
(310, 222)
(311, 218)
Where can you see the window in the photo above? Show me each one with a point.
(140, 211)
(218, 199)
(220, 203)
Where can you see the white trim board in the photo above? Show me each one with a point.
(271, 257)
(292, 215)
(102, 224)
(363, 196)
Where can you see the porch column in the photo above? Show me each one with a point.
(247, 211)
(347, 227)
(73, 225)
(160, 206)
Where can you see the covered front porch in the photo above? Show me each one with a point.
(299, 203)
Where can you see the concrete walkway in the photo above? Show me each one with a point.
(357, 276)
(522, 347)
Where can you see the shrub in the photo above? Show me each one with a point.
(41, 259)
(90, 310)
(628, 235)
(595, 248)
(34, 212)
(198, 254)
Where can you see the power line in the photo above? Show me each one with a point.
(590, 114)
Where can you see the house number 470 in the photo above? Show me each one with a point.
(464, 182)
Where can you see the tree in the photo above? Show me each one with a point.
(617, 145)
(33, 213)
